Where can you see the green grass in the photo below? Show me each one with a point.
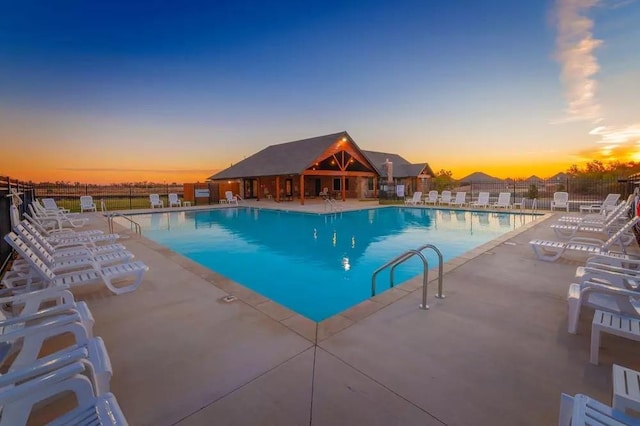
(122, 203)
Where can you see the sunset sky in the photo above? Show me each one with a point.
(103, 92)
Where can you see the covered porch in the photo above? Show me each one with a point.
(331, 166)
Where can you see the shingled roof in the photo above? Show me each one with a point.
(282, 159)
(292, 158)
(401, 167)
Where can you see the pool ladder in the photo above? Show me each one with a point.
(425, 277)
(330, 204)
(136, 226)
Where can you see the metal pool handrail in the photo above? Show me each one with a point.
(136, 225)
(332, 205)
(425, 278)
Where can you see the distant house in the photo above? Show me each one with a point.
(535, 180)
(480, 177)
(306, 168)
(559, 177)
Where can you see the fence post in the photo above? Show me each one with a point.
(130, 195)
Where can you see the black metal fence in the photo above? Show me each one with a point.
(27, 195)
(581, 190)
(114, 197)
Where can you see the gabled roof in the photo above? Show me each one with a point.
(401, 167)
(294, 157)
(282, 159)
(559, 176)
(480, 177)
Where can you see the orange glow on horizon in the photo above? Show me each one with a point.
(104, 177)
(51, 174)
(92, 165)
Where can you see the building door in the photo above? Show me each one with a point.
(250, 188)
(318, 185)
(288, 189)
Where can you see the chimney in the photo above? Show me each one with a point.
(388, 165)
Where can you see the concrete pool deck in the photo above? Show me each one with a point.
(495, 351)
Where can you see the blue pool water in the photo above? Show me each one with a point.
(319, 265)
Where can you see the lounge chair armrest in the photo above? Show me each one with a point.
(611, 278)
(44, 294)
(44, 365)
(611, 268)
(591, 287)
(12, 393)
(42, 314)
(603, 259)
(612, 271)
(49, 324)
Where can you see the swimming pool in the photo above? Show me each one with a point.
(320, 264)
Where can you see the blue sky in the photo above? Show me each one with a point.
(186, 89)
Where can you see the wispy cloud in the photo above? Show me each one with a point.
(575, 46)
(619, 3)
(618, 136)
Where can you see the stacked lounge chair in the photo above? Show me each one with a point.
(36, 304)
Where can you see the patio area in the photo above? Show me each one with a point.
(494, 351)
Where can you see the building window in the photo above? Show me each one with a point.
(370, 184)
(337, 186)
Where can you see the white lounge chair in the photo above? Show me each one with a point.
(604, 207)
(324, 193)
(483, 200)
(581, 410)
(445, 197)
(69, 263)
(52, 231)
(23, 229)
(504, 201)
(417, 198)
(23, 338)
(432, 198)
(560, 201)
(50, 204)
(51, 210)
(230, 197)
(568, 230)
(42, 304)
(58, 221)
(155, 201)
(597, 217)
(19, 400)
(48, 207)
(87, 204)
(552, 250)
(90, 275)
(610, 275)
(599, 296)
(460, 200)
(88, 239)
(174, 201)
